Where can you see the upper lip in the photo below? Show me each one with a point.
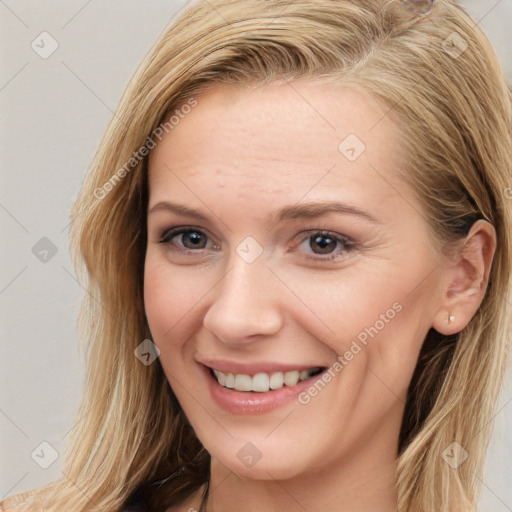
(254, 368)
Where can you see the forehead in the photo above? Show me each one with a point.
(281, 142)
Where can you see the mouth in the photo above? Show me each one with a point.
(263, 382)
(254, 388)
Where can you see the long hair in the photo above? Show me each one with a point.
(442, 85)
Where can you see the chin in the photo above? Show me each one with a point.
(261, 460)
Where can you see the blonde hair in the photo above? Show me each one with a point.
(454, 112)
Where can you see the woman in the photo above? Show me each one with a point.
(296, 234)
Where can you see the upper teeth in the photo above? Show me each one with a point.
(262, 382)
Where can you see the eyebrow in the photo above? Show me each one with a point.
(297, 211)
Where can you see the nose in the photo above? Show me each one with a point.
(245, 304)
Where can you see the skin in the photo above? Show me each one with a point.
(238, 157)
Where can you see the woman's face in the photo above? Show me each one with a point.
(282, 243)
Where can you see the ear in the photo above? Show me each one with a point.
(466, 278)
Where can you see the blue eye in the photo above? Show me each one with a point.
(318, 245)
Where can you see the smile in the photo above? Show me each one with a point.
(263, 382)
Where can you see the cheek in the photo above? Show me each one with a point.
(164, 308)
(173, 301)
(346, 303)
(168, 296)
(376, 318)
(168, 293)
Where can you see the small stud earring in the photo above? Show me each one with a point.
(450, 318)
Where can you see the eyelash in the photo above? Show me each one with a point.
(348, 244)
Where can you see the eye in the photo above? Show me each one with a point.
(186, 238)
(318, 245)
(325, 243)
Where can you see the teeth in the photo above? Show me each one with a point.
(260, 382)
(263, 382)
(230, 380)
(291, 378)
(220, 377)
(276, 380)
(243, 382)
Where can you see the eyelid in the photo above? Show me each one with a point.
(333, 234)
(347, 242)
(172, 231)
(169, 233)
(348, 245)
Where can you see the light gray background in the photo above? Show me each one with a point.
(54, 112)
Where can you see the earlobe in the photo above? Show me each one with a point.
(467, 274)
(447, 323)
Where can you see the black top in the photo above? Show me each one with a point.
(135, 503)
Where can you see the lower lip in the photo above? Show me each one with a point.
(244, 402)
